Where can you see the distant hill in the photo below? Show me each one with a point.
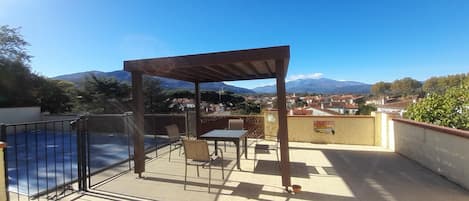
(321, 85)
(124, 76)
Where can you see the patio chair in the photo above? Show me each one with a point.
(235, 124)
(175, 138)
(261, 148)
(197, 154)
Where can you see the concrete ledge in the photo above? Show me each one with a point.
(442, 129)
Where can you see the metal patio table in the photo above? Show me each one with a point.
(234, 136)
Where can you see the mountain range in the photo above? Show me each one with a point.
(78, 78)
(320, 85)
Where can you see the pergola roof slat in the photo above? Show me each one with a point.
(238, 65)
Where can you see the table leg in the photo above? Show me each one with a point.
(216, 148)
(237, 154)
(246, 147)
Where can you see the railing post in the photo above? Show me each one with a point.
(186, 122)
(3, 132)
(81, 152)
(77, 125)
(127, 127)
(3, 137)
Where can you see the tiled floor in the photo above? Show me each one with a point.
(325, 172)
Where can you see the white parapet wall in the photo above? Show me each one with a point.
(20, 114)
(443, 150)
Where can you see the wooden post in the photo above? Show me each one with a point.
(197, 110)
(138, 129)
(282, 124)
(3, 163)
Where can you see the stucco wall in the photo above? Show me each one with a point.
(358, 130)
(443, 150)
(20, 114)
(347, 130)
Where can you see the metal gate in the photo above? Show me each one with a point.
(43, 159)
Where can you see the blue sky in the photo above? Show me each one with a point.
(366, 41)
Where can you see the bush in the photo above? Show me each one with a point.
(450, 109)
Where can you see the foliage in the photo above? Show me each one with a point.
(450, 109)
(406, 86)
(249, 107)
(300, 103)
(55, 96)
(155, 100)
(226, 98)
(104, 95)
(17, 84)
(441, 84)
(381, 88)
(365, 109)
(180, 94)
(12, 45)
(402, 87)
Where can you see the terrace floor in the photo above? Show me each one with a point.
(325, 172)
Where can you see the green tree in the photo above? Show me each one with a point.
(155, 100)
(17, 84)
(227, 98)
(180, 94)
(104, 95)
(365, 109)
(441, 84)
(381, 88)
(12, 45)
(249, 107)
(55, 96)
(450, 109)
(406, 86)
(300, 103)
(432, 85)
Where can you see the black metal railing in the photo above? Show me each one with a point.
(41, 158)
(109, 146)
(44, 158)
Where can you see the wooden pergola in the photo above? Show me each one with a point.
(261, 63)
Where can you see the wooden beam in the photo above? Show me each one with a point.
(198, 74)
(250, 77)
(282, 124)
(252, 68)
(197, 110)
(260, 54)
(269, 69)
(212, 69)
(175, 76)
(237, 69)
(138, 131)
(229, 70)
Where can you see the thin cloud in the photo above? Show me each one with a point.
(265, 84)
(304, 76)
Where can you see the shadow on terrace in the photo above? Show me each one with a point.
(325, 171)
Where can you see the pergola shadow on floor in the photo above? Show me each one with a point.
(262, 63)
(325, 172)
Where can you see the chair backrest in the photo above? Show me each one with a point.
(173, 132)
(196, 150)
(235, 124)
